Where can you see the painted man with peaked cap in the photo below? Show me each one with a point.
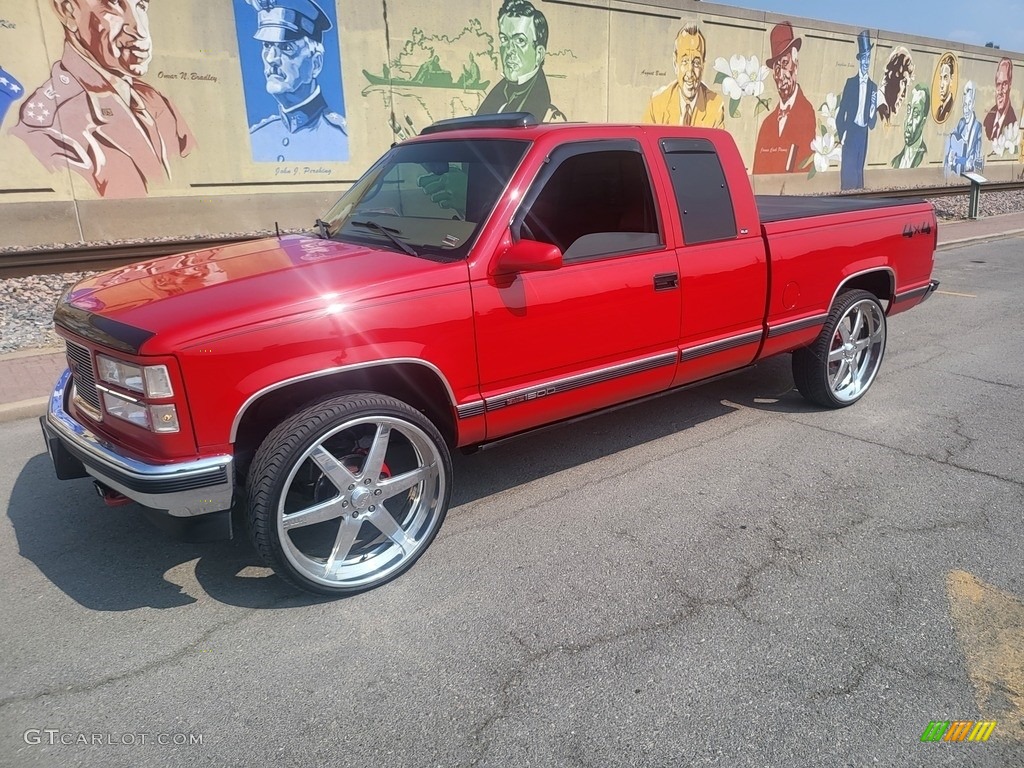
(304, 128)
(95, 114)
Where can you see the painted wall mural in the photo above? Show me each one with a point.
(10, 91)
(858, 114)
(291, 72)
(914, 148)
(963, 148)
(786, 133)
(194, 101)
(95, 115)
(523, 45)
(686, 100)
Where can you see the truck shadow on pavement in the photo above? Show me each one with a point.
(114, 560)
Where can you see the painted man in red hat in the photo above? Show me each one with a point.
(784, 141)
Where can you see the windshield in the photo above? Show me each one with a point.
(426, 198)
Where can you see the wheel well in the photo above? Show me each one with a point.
(880, 283)
(414, 384)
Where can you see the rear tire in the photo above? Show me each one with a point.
(837, 369)
(347, 494)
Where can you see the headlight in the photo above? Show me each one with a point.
(150, 380)
(157, 418)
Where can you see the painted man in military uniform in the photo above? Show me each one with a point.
(94, 114)
(10, 91)
(304, 128)
(523, 41)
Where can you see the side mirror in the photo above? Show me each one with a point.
(527, 256)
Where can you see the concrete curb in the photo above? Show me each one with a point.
(978, 239)
(23, 409)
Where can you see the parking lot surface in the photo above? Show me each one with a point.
(723, 576)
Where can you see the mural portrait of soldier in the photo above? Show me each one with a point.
(523, 45)
(944, 86)
(784, 139)
(10, 91)
(858, 111)
(963, 148)
(686, 100)
(914, 148)
(1001, 116)
(292, 58)
(95, 115)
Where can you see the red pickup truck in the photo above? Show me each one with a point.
(485, 278)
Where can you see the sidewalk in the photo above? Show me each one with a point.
(27, 377)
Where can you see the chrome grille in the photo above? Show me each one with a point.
(80, 362)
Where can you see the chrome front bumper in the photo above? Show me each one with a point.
(185, 489)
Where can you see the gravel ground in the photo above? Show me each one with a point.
(26, 303)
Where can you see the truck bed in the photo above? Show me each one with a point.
(785, 207)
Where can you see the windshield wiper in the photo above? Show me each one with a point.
(389, 233)
(322, 229)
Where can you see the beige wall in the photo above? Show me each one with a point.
(604, 60)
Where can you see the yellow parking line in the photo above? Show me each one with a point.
(954, 293)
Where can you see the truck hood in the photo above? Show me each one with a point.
(157, 306)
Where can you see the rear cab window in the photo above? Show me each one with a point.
(701, 190)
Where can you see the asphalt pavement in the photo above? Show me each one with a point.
(724, 576)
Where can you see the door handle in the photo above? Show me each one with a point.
(668, 281)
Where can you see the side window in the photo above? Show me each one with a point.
(702, 193)
(593, 201)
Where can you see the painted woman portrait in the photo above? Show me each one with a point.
(899, 72)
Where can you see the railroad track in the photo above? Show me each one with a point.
(99, 257)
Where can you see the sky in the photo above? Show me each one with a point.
(975, 21)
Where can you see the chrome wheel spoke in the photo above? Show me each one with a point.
(841, 375)
(858, 323)
(836, 355)
(347, 533)
(374, 464)
(318, 513)
(844, 334)
(330, 466)
(382, 520)
(396, 485)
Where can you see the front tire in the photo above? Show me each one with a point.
(347, 494)
(838, 368)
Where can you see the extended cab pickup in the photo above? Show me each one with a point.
(485, 278)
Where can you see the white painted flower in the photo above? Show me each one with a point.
(1011, 136)
(742, 76)
(828, 111)
(826, 150)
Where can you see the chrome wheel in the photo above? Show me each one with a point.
(839, 367)
(856, 350)
(356, 501)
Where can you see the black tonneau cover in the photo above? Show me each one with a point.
(784, 207)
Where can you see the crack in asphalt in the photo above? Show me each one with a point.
(910, 454)
(140, 671)
(1015, 387)
(692, 608)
